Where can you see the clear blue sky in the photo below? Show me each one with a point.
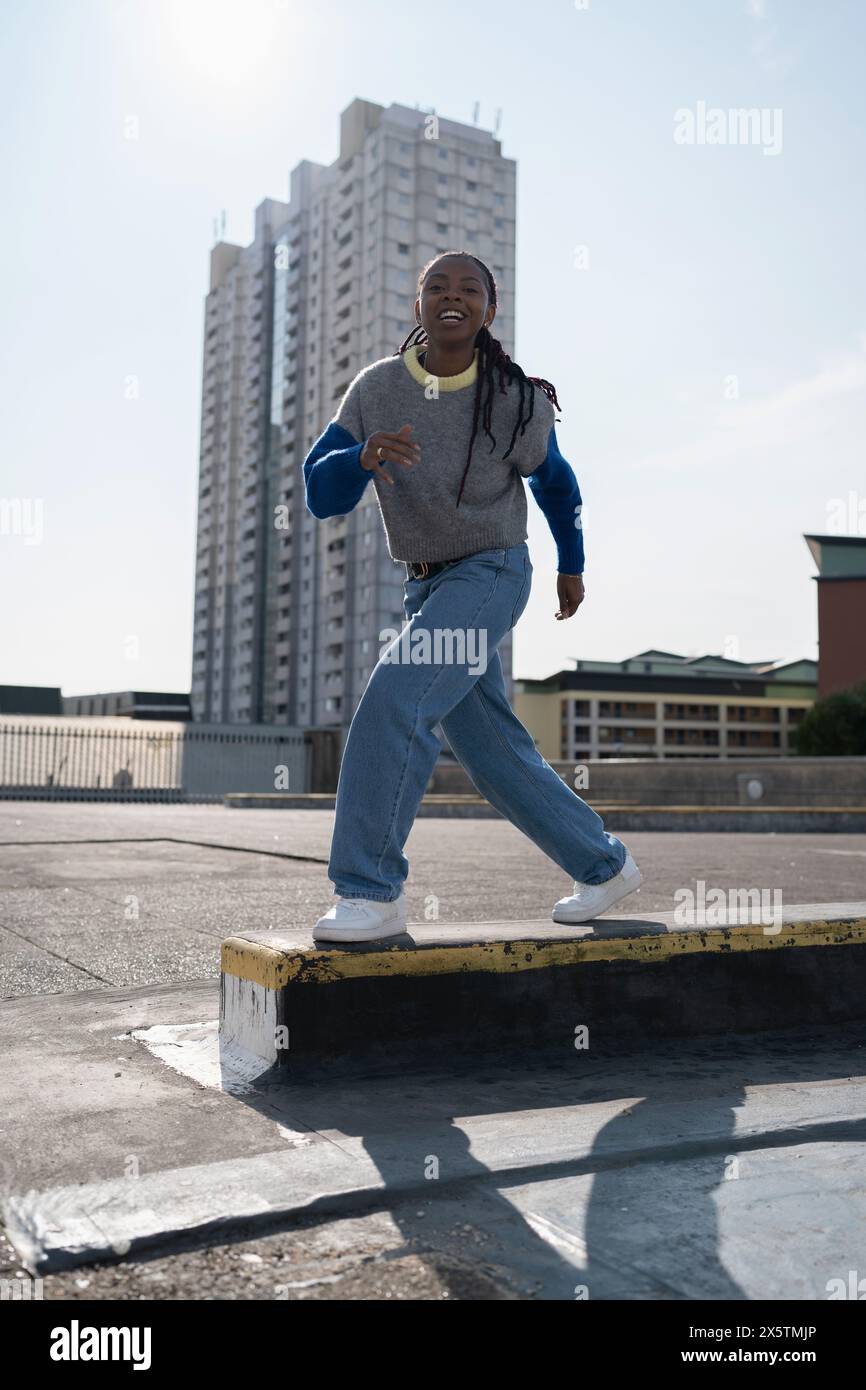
(705, 263)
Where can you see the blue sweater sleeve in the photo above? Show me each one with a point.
(555, 489)
(334, 480)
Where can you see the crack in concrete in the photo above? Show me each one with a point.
(169, 840)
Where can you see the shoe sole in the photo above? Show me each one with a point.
(569, 918)
(329, 932)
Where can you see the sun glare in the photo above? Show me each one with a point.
(225, 40)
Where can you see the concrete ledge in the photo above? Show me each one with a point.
(776, 820)
(435, 804)
(740, 779)
(493, 987)
(625, 814)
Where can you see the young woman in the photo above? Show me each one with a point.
(446, 429)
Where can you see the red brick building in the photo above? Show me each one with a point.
(841, 581)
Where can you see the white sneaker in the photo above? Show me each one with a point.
(590, 899)
(361, 919)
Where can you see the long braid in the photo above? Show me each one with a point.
(494, 367)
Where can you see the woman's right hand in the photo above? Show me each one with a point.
(396, 448)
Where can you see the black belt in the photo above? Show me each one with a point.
(423, 569)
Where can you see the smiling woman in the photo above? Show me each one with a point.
(446, 430)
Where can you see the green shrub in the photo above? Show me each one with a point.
(834, 726)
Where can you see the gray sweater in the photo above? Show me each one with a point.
(420, 513)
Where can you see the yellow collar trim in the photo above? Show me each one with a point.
(443, 383)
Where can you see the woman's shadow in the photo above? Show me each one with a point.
(559, 1175)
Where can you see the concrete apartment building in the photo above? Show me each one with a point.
(662, 705)
(289, 610)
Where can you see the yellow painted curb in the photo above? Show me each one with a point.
(602, 807)
(732, 809)
(274, 969)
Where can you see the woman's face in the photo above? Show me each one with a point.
(453, 305)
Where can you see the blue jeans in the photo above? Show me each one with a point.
(444, 668)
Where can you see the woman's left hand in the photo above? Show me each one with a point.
(569, 591)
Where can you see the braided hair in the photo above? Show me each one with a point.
(494, 365)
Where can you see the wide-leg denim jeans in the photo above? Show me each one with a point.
(444, 668)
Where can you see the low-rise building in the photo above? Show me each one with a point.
(130, 704)
(661, 705)
(30, 699)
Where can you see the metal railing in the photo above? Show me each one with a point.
(62, 759)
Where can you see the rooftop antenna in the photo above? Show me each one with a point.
(475, 112)
(223, 221)
(498, 122)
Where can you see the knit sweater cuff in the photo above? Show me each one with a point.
(333, 476)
